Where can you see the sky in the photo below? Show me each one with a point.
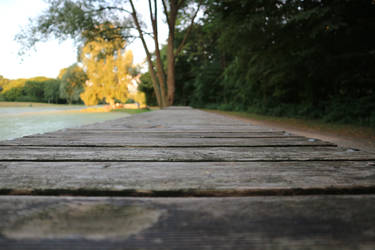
(46, 59)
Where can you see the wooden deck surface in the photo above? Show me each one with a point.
(181, 178)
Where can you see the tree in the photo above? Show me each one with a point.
(72, 82)
(306, 58)
(34, 90)
(52, 90)
(81, 20)
(107, 65)
(13, 94)
(3, 82)
(145, 86)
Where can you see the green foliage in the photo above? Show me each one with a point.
(34, 90)
(311, 59)
(51, 91)
(145, 86)
(37, 89)
(308, 58)
(14, 94)
(18, 83)
(80, 20)
(72, 83)
(3, 82)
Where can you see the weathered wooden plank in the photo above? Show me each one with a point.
(119, 141)
(183, 117)
(189, 154)
(173, 119)
(178, 108)
(150, 134)
(170, 129)
(153, 126)
(178, 117)
(183, 178)
(150, 131)
(299, 222)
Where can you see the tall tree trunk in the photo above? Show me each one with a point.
(154, 81)
(171, 16)
(159, 65)
(161, 76)
(173, 10)
(171, 80)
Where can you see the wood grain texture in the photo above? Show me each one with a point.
(152, 134)
(189, 154)
(299, 222)
(186, 178)
(182, 153)
(161, 141)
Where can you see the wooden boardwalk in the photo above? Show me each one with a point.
(181, 178)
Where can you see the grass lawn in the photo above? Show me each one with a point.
(131, 111)
(28, 104)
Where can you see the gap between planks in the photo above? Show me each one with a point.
(360, 190)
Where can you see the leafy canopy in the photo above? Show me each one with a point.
(108, 68)
(72, 82)
(80, 20)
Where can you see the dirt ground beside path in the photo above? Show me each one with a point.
(343, 136)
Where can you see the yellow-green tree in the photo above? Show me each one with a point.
(107, 65)
(72, 80)
(3, 82)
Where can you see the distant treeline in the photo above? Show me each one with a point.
(38, 89)
(311, 59)
(66, 88)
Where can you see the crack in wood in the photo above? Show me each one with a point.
(359, 190)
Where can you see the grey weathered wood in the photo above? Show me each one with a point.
(177, 120)
(191, 178)
(156, 127)
(161, 141)
(178, 108)
(149, 134)
(299, 222)
(183, 152)
(171, 129)
(190, 154)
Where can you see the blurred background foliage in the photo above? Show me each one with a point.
(309, 59)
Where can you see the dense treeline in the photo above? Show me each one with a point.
(311, 58)
(37, 89)
(64, 89)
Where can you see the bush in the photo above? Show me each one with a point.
(13, 94)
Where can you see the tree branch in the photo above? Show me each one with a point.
(156, 9)
(166, 12)
(188, 30)
(150, 8)
(149, 59)
(112, 8)
(159, 65)
(138, 26)
(180, 3)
